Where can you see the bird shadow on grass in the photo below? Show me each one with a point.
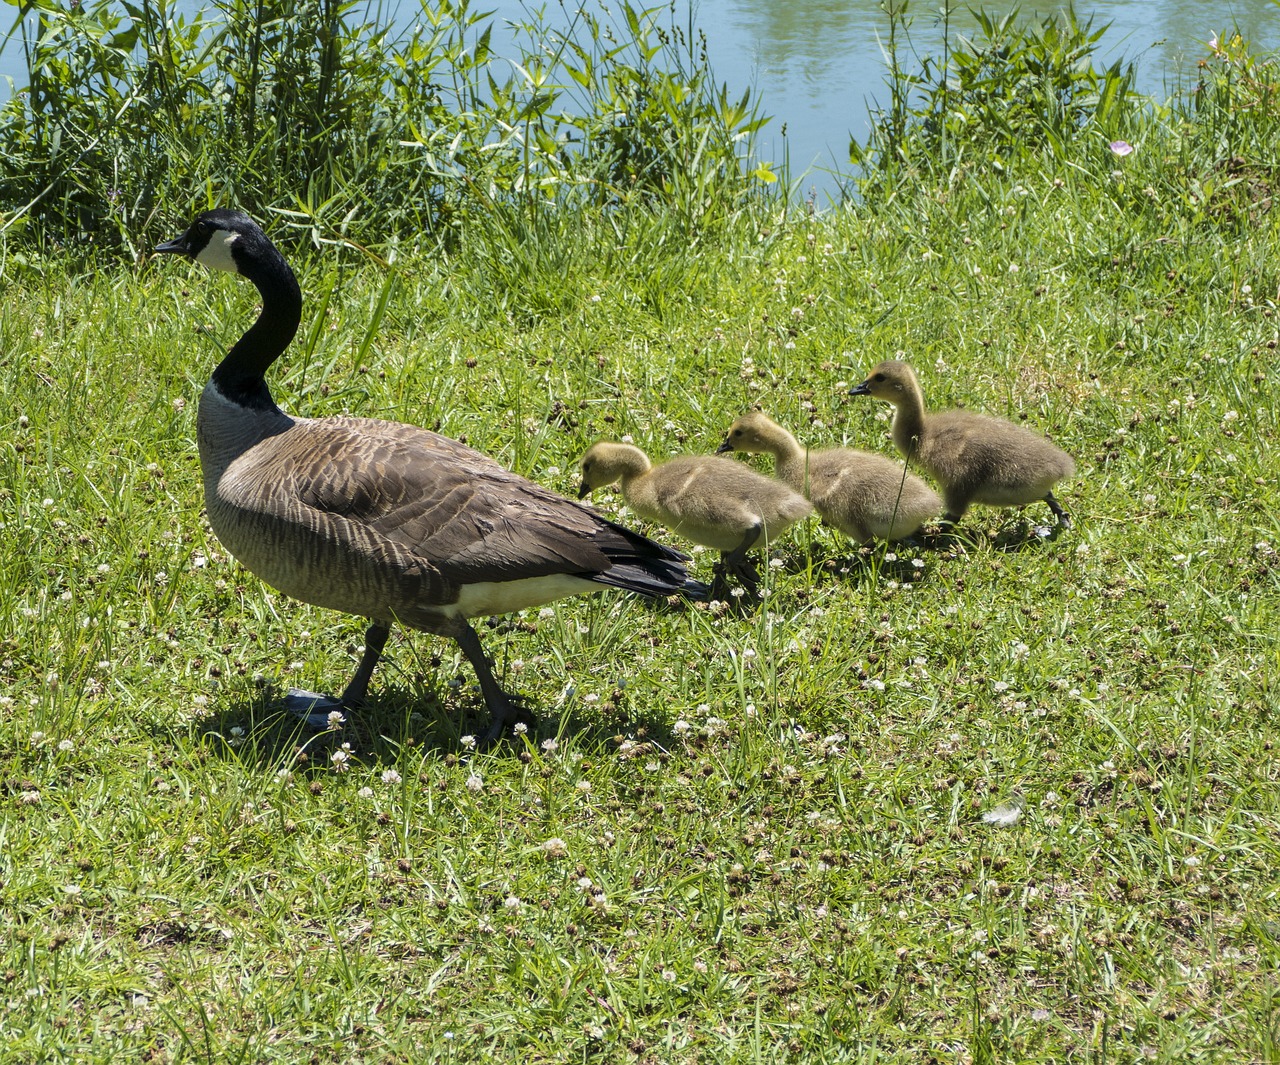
(255, 728)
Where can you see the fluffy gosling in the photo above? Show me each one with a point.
(712, 501)
(975, 458)
(865, 496)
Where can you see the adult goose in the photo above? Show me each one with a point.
(975, 458)
(712, 501)
(382, 520)
(863, 495)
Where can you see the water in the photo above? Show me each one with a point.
(816, 65)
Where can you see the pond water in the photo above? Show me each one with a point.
(816, 66)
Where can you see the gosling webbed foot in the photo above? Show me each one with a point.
(1064, 519)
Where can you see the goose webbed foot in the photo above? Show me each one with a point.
(317, 710)
(511, 711)
(313, 709)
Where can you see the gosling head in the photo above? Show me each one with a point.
(607, 462)
(221, 239)
(892, 381)
(752, 433)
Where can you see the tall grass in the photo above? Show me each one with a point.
(354, 131)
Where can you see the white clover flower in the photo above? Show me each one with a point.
(681, 727)
(29, 798)
(584, 786)
(591, 699)
(475, 783)
(38, 737)
(336, 720)
(341, 761)
(468, 742)
(555, 847)
(365, 793)
(390, 776)
(520, 728)
(550, 746)
(511, 903)
(67, 746)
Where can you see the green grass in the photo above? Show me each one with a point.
(773, 845)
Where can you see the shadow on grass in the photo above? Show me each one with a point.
(257, 730)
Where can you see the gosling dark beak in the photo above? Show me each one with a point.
(724, 447)
(863, 389)
(584, 490)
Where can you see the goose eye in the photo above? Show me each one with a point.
(202, 227)
(878, 377)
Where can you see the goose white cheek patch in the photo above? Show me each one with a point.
(216, 255)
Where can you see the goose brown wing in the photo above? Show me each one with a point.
(469, 518)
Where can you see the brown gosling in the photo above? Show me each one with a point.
(865, 496)
(975, 458)
(712, 501)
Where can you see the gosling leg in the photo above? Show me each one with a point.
(1064, 519)
(503, 706)
(737, 564)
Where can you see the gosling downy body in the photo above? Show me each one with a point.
(865, 496)
(712, 501)
(378, 519)
(975, 458)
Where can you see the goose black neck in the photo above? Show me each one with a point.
(241, 376)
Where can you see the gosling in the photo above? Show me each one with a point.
(712, 501)
(865, 496)
(975, 458)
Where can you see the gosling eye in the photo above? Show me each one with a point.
(878, 377)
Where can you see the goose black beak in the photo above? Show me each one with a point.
(177, 246)
(863, 389)
(584, 490)
(724, 447)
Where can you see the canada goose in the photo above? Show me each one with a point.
(974, 457)
(378, 519)
(712, 501)
(865, 496)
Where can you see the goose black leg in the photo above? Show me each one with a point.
(375, 639)
(503, 707)
(315, 709)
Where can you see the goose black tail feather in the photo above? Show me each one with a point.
(647, 567)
